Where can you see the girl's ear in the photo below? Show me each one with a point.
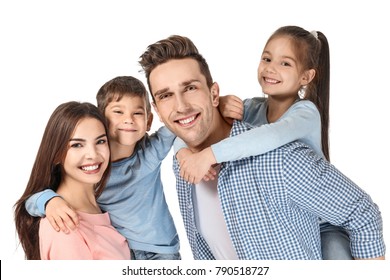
(307, 77)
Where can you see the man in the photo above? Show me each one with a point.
(261, 207)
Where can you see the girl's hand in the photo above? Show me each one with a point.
(196, 166)
(61, 216)
(231, 107)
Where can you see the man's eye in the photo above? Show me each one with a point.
(190, 88)
(163, 96)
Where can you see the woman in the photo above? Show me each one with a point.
(74, 160)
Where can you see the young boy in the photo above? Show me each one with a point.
(134, 196)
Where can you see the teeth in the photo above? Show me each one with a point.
(90, 168)
(186, 121)
(271, 81)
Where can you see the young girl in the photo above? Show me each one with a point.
(294, 74)
(74, 160)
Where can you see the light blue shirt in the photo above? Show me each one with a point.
(271, 204)
(134, 197)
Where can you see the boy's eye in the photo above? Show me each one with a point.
(285, 64)
(118, 112)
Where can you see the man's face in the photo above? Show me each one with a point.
(183, 100)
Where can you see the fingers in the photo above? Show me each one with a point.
(189, 178)
(64, 221)
(71, 220)
(58, 224)
(211, 175)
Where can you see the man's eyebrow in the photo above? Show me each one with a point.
(161, 91)
(185, 83)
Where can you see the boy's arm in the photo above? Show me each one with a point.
(35, 204)
(59, 213)
(161, 143)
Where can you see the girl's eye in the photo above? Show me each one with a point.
(286, 64)
(266, 59)
(101, 141)
(139, 113)
(117, 112)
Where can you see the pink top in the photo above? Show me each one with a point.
(94, 239)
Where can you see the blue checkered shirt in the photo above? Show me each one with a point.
(271, 204)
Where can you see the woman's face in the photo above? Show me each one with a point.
(88, 153)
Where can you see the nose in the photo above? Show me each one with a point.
(182, 104)
(269, 67)
(128, 119)
(91, 152)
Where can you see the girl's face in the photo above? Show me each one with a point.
(279, 71)
(88, 153)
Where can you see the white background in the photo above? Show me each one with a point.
(56, 51)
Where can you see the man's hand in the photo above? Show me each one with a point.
(61, 216)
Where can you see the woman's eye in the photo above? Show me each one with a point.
(76, 145)
(102, 141)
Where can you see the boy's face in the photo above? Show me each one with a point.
(128, 120)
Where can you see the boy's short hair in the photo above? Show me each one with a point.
(118, 87)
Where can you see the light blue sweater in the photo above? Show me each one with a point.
(134, 197)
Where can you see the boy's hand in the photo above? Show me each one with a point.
(61, 216)
(231, 107)
(196, 166)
